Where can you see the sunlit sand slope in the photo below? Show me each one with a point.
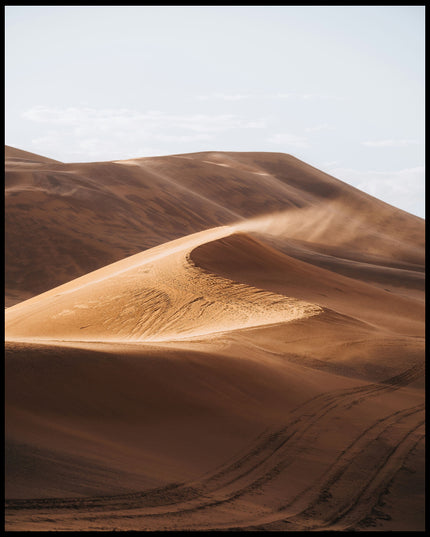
(159, 294)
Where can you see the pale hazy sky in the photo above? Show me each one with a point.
(341, 88)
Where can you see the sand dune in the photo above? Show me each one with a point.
(242, 258)
(223, 341)
(66, 211)
(158, 295)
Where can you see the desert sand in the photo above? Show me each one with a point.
(210, 341)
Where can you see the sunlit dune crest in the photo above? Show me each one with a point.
(153, 298)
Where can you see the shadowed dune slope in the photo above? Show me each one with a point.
(109, 420)
(65, 220)
(241, 257)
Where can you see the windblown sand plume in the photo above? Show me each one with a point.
(210, 341)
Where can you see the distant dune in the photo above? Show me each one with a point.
(215, 340)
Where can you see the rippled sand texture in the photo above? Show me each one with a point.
(210, 341)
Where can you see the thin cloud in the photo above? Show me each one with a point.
(288, 140)
(182, 137)
(267, 96)
(112, 118)
(307, 96)
(316, 128)
(225, 96)
(390, 143)
(91, 148)
(320, 96)
(85, 132)
(402, 188)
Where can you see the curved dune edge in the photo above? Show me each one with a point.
(242, 257)
(158, 295)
